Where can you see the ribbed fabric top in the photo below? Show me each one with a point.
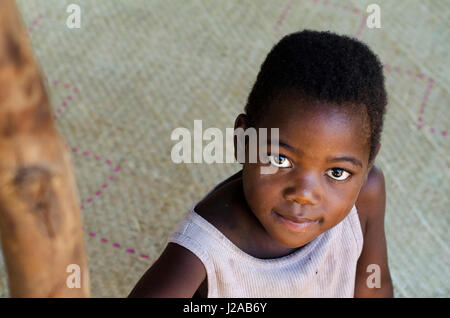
(325, 267)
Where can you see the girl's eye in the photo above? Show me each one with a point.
(280, 161)
(338, 174)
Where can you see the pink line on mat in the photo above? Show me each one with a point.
(35, 22)
(67, 99)
(55, 82)
(424, 104)
(426, 95)
(398, 70)
(288, 6)
(361, 26)
(117, 245)
(104, 185)
(64, 104)
(282, 17)
(430, 83)
(339, 6)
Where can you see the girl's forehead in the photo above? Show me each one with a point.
(320, 126)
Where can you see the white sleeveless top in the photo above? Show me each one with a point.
(325, 267)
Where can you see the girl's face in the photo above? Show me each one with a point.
(322, 164)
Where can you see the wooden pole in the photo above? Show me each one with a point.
(40, 222)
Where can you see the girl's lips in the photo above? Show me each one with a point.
(296, 226)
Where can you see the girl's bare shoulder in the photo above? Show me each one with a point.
(219, 207)
(372, 196)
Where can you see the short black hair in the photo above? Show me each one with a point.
(326, 67)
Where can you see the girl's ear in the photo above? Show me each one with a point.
(240, 122)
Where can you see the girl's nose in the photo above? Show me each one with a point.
(303, 192)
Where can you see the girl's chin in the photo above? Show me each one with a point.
(288, 241)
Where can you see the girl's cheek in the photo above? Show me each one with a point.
(268, 193)
(262, 188)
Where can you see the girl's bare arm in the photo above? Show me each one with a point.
(372, 275)
(176, 274)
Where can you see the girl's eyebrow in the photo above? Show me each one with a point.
(350, 159)
(285, 145)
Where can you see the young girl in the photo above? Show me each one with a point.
(315, 227)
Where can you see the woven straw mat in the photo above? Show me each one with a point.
(136, 70)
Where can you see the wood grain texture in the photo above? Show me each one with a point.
(40, 222)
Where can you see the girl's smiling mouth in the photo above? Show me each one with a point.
(295, 224)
